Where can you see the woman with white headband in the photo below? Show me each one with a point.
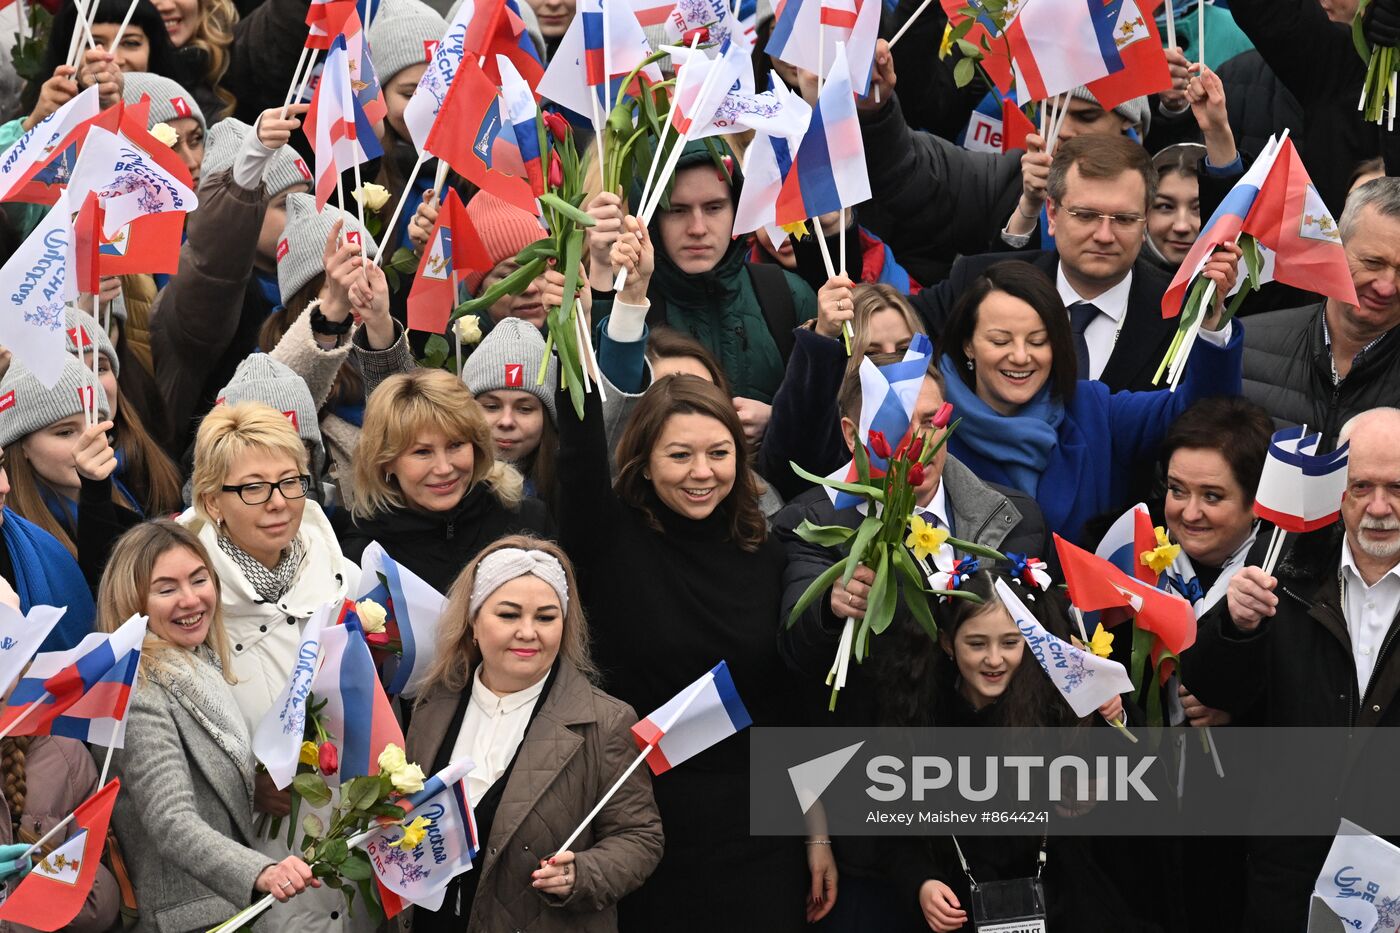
(511, 689)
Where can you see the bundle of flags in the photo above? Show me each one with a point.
(601, 47)
(414, 610)
(357, 712)
(339, 127)
(701, 715)
(813, 34)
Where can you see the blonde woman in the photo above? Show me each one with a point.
(185, 814)
(806, 427)
(512, 689)
(428, 486)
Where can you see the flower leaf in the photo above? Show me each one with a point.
(335, 851)
(583, 219)
(356, 867)
(815, 589)
(866, 533)
(361, 793)
(914, 597)
(824, 535)
(312, 825)
(884, 594)
(312, 788)
(963, 72)
(980, 550)
(387, 810)
(870, 492)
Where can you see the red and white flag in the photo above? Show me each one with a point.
(1057, 45)
(1301, 490)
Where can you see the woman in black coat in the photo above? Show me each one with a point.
(678, 573)
(428, 487)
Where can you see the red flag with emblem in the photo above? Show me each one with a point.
(453, 250)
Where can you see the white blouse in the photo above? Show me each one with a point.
(491, 732)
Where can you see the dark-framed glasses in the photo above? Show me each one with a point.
(293, 487)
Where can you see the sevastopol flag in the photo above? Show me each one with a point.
(1084, 679)
(38, 164)
(807, 34)
(1057, 45)
(701, 715)
(1144, 70)
(364, 79)
(1359, 879)
(454, 248)
(336, 124)
(50, 896)
(888, 395)
(414, 611)
(1289, 218)
(601, 47)
(357, 711)
(828, 171)
(1224, 226)
(1301, 490)
(278, 737)
(521, 111)
(420, 875)
(81, 693)
(36, 282)
(21, 636)
(465, 134)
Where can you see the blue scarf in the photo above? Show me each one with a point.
(65, 511)
(269, 290)
(47, 575)
(1019, 443)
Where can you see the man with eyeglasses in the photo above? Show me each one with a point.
(1322, 363)
(1100, 188)
(1314, 645)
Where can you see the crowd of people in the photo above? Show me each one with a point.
(263, 415)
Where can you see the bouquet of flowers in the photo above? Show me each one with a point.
(883, 541)
(1379, 91)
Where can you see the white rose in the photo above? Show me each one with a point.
(165, 133)
(372, 196)
(469, 329)
(391, 759)
(408, 779)
(372, 616)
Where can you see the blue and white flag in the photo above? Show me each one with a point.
(20, 638)
(413, 610)
(1086, 680)
(277, 740)
(1360, 881)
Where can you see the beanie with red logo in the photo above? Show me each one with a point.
(260, 378)
(509, 358)
(26, 404)
(283, 168)
(169, 99)
(82, 329)
(403, 40)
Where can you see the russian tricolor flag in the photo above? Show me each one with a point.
(521, 112)
(357, 711)
(81, 693)
(414, 610)
(1301, 490)
(1057, 45)
(828, 172)
(701, 715)
(601, 47)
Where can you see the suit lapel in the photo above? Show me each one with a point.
(1145, 335)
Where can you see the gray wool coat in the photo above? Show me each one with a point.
(184, 816)
(575, 749)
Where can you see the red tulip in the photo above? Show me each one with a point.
(556, 170)
(557, 125)
(916, 474)
(879, 445)
(917, 447)
(329, 760)
(698, 36)
(945, 415)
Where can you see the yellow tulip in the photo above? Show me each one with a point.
(1102, 642)
(1161, 556)
(310, 755)
(924, 539)
(413, 833)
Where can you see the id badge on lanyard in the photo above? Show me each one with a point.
(1014, 906)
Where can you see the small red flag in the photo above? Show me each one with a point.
(453, 250)
(1015, 126)
(465, 131)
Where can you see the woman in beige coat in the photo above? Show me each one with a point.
(511, 690)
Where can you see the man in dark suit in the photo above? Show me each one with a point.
(1100, 189)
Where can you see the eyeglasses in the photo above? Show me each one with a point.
(293, 487)
(1092, 218)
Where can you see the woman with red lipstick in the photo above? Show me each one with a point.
(512, 688)
(678, 573)
(428, 484)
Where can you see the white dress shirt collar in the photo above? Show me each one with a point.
(1369, 612)
(1113, 303)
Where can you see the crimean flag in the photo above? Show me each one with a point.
(357, 712)
(340, 132)
(465, 132)
(414, 611)
(453, 250)
(54, 891)
(1300, 489)
(81, 693)
(703, 714)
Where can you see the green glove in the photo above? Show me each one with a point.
(14, 862)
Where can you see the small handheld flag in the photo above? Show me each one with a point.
(21, 636)
(278, 737)
(702, 715)
(37, 281)
(357, 711)
(1301, 490)
(1057, 45)
(414, 611)
(38, 164)
(454, 249)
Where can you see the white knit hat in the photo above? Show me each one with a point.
(509, 358)
(300, 255)
(169, 99)
(405, 39)
(284, 169)
(79, 325)
(1136, 111)
(260, 378)
(26, 406)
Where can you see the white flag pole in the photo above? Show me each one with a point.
(1171, 26)
(910, 21)
(1201, 32)
(388, 230)
(126, 21)
(296, 75)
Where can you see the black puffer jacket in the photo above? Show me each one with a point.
(1258, 102)
(1288, 370)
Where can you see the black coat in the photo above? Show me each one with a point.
(1288, 370)
(664, 606)
(1142, 342)
(1297, 669)
(437, 545)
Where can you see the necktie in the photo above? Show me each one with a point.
(1080, 314)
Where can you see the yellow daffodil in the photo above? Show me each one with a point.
(372, 616)
(310, 755)
(413, 833)
(924, 539)
(391, 759)
(945, 48)
(469, 329)
(372, 196)
(795, 230)
(1102, 642)
(165, 133)
(1161, 556)
(408, 779)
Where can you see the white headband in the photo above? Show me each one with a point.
(500, 567)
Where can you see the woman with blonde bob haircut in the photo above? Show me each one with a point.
(511, 688)
(277, 561)
(187, 765)
(428, 486)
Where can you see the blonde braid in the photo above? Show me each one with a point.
(12, 753)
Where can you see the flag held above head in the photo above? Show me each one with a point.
(38, 164)
(340, 132)
(701, 715)
(602, 45)
(465, 136)
(808, 34)
(1301, 490)
(1057, 45)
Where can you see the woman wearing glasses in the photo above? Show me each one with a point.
(277, 561)
(1028, 422)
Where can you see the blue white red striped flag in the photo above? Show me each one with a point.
(828, 171)
(807, 34)
(357, 711)
(1057, 45)
(703, 714)
(81, 693)
(414, 611)
(601, 47)
(521, 111)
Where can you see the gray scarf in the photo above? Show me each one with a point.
(270, 585)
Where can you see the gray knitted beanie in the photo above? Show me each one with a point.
(26, 406)
(509, 358)
(300, 255)
(169, 100)
(1135, 111)
(284, 169)
(260, 378)
(402, 40)
(79, 325)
